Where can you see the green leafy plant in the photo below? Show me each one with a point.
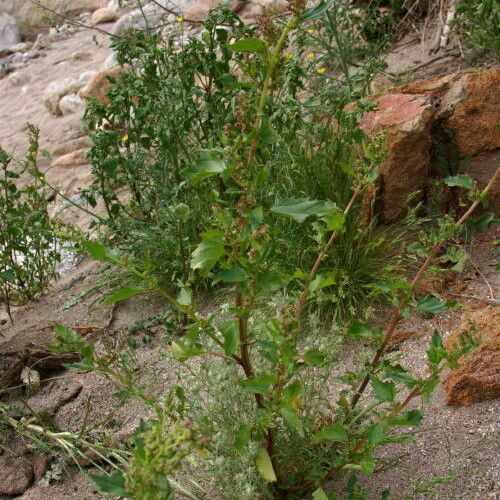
(28, 248)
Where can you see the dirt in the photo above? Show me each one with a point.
(455, 454)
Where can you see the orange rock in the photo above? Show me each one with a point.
(478, 377)
(78, 157)
(98, 86)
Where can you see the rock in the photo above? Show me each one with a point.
(253, 9)
(103, 15)
(55, 395)
(55, 91)
(406, 121)
(413, 118)
(78, 157)
(20, 47)
(71, 103)
(110, 62)
(85, 78)
(151, 16)
(81, 55)
(199, 10)
(71, 145)
(469, 106)
(99, 85)
(41, 464)
(31, 378)
(16, 475)
(478, 377)
(9, 32)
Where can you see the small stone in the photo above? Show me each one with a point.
(55, 395)
(104, 15)
(55, 91)
(20, 47)
(31, 378)
(99, 85)
(110, 62)
(81, 55)
(85, 77)
(78, 157)
(70, 104)
(16, 475)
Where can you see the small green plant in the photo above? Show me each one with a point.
(255, 396)
(28, 248)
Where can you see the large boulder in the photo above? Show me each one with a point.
(406, 121)
(478, 377)
(9, 33)
(104, 15)
(151, 15)
(199, 10)
(463, 106)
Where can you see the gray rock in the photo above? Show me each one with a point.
(16, 475)
(110, 63)
(71, 103)
(85, 77)
(9, 32)
(152, 16)
(51, 397)
(55, 91)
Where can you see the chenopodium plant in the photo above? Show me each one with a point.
(28, 249)
(296, 446)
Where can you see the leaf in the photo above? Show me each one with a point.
(259, 384)
(376, 433)
(231, 338)
(290, 394)
(254, 45)
(265, 466)
(114, 483)
(242, 437)
(185, 296)
(460, 180)
(383, 391)
(208, 252)
(314, 357)
(315, 12)
(436, 352)
(292, 420)
(359, 330)
(412, 418)
(299, 209)
(319, 494)
(123, 294)
(256, 217)
(334, 221)
(203, 169)
(235, 274)
(334, 432)
(434, 305)
(267, 133)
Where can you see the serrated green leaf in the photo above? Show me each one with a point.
(314, 357)
(113, 484)
(434, 305)
(436, 352)
(242, 437)
(123, 294)
(383, 391)
(256, 217)
(460, 180)
(334, 432)
(319, 494)
(203, 169)
(254, 45)
(235, 274)
(290, 394)
(229, 331)
(376, 433)
(412, 418)
(265, 466)
(359, 330)
(293, 421)
(258, 384)
(185, 296)
(208, 252)
(299, 209)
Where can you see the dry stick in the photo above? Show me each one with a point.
(305, 292)
(396, 315)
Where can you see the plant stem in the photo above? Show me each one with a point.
(396, 315)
